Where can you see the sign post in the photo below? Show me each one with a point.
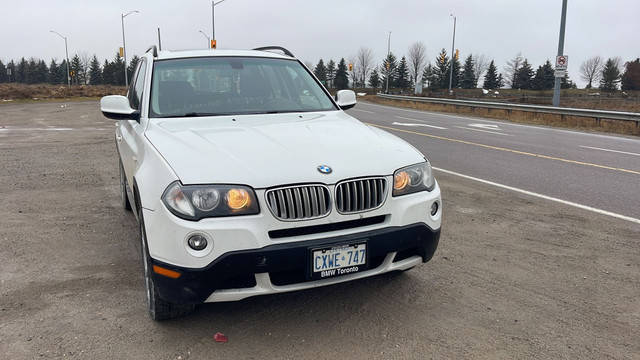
(560, 58)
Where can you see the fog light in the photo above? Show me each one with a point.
(434, 208)
(197, 242)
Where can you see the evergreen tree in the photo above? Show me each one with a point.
(491, 77)
(566, 83)
(95, 73)
(342, 78)
(402, 79)
(468, 75)
(30, 72)
(610, 76)
(523, 77)
(430, 77)
(320, 72)
(54, 73)
(3, 73)
(455, 79)
(62, 72)
(389, 70)
(42, 73)
(108, 73)
(374, 80)
(442, 70)
(631, 76)
(21, 71)
(76, 70)
(331, 73)
(132, 67)
(545, 77)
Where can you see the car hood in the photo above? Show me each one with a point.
(275, 149)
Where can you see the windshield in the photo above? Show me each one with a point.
(233, 85)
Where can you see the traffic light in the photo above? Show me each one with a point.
(350, 67)
(121, 51)
(457, 54)
(442, 58)
(213, 44)
(387, 64)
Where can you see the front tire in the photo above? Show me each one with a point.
(159, 309)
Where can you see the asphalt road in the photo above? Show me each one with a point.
(590, 169)
(515, 276)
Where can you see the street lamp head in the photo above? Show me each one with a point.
(55, 32)
(130, 12)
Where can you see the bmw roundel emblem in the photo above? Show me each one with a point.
(324, 169)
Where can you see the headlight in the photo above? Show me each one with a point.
(413, 178)
(194, 202)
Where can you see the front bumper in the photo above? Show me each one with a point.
(286, 267)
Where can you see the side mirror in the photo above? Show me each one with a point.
(117, 107)
(346, 99)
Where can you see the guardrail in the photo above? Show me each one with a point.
(589, 113)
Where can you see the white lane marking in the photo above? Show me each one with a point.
(420, 120)
(486, 126)
(487, 131)
(365, 111)
(614, 151)
(414, 125)
(545, 197)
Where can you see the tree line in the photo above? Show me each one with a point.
(83, 70)
(477, 70)
(360, 71)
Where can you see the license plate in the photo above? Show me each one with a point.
(338, 260)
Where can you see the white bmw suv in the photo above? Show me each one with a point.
(248, 178)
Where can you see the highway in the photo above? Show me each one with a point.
(593, 171)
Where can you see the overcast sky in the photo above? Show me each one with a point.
(329, 29)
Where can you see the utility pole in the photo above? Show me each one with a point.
(453, 45)
(556, 87)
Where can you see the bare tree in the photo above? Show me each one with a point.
(309, 65)
(353, 73)
(417, 60)
(480, 65)
(85, 64)
(363, 65)
(512, 68)
(591, 69)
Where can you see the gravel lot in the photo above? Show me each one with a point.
(514, 277)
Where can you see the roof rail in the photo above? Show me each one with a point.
(154, 49)
(267, 48)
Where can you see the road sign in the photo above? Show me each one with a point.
(561, 62)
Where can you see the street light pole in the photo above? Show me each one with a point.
(124, 48)
(213, 19)
(453, 44)
(208, 38)
(388, 65)
(66, 52)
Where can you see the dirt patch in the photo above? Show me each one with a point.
(16, 92)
